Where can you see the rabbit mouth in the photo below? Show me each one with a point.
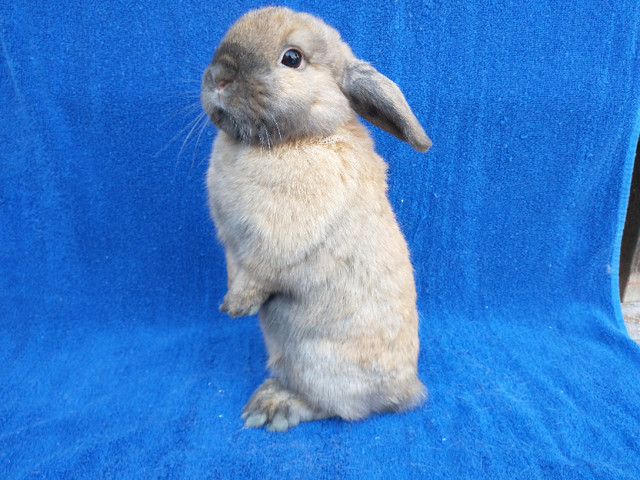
(247, 127)
(252, 132)
(228, 123)
(223, 118)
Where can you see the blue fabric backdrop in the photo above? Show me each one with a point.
(114, 360)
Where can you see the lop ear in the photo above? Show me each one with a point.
(377, 99)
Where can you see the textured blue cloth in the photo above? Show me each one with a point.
(114, 359)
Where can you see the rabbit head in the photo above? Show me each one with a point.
(278, 75)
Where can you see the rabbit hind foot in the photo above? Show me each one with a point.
(277, 409)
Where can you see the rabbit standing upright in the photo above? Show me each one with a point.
(298, 196)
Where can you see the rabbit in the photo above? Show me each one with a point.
(298, 197)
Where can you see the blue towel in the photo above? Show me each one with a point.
(114, 359)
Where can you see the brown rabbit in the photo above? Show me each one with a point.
(298, 196)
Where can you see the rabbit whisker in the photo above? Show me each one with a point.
(266, 131)
(173, 139)
(186, 110)
(204, 124)
(195, 124)
(275, 122)
(261, 138)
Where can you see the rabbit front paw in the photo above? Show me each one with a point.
(242, 304)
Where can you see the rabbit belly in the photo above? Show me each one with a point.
(348, 377)
(347, 340)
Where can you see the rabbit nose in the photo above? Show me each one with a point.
(217, 78)
(221, 79)
(220, 76)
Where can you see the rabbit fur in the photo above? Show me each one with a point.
(298, 197)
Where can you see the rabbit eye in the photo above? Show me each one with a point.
(292, 58)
